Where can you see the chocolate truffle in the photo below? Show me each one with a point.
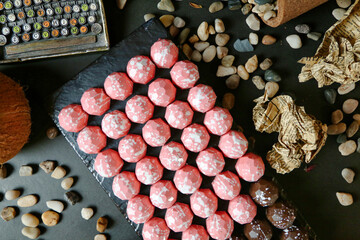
(281, 215)
(264, 192)
(258, 230)
(294, 233)
(184, 74)
(164, 53)
(141, 69)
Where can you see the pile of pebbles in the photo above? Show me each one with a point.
(346, 137)
(52, 216)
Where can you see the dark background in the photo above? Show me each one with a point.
(312, 192)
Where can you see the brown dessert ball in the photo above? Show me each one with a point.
(281, 215)
(264, 192)
(258, 229)
(294, 233)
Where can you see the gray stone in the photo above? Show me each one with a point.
(234, 4)
(350, 105)
(12, 194)
(330, 95)
(266, 64)
(302, 28)
(246, 9)
(166, 5)
(253, 39)
(25, 171)
(233, 81)
(343, 3)
(253, 22)
(243, 45)
(348, 174)
(179, 22)
(262, 2)
(87, 213)
(258, 82)
(184, 35)
(347, 148)
(55, 205)
(216, 6)
(314, 36)
(338, 13)
(272, 76)
(29, 220)
(341, 138)
(31, 232)
(294, 41)
(72, 197)
(358, 146)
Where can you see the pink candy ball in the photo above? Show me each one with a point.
(156, 132)
(163, 194)
(179, 114)
(210, 162)
(202, 98)
(141, 69)
(140, 209)
(184, 74)
(220, 225)
(204, 203)
(164, 53)
(250, 167)
(179, 217)
(115, 124)
(73, 118)
(233, 144)
(162, 92)
(118, 86)
(125, 185)
(132, 148)
(218, 121)
(108, 163)
(139, 109)
(94, 101)
(195, 232)
(242, 209)
(187, 179)
(91, 140)
(173, 156)
(149, 170)
(195, 137)
(226, 185)
(155, 229)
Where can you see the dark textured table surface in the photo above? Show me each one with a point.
(312, 192)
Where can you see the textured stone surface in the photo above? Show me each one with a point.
(8, 213)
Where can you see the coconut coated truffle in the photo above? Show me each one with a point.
(195, 137)
(203, 203)
(139, 109)
(163, 194)
(242, 209)
(132, 148)
(162, 92)
(250, 167)
(233, 144)
(173, 156)
(202, 98)
(156, 132)
(179, 217)
(226, 185)
(220, 225)
(141, 69)
(73, 118)
(155, 229)
(118, 86)
(179, 114)
(187, 179)
(108, 163)
(91, 140)
(94, 101)
(218, 121)
(125, 185)
(140, 209)
(210, 162)
(164, 53)
(115, 124)
(185, 74)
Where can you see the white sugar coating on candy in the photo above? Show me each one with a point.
(163, 194)
(203, 203)
(125, 185)
(140, 69)
(187, 179)
(115, 124)
(195, 137)
(149, 170)
(242, 209)
(139, 109)
(155, 229)
(132, 148)
(94, 101)
(233, 144)
(91, 140)
(118, 86)
(140, 209)
(164, 53)
(210, 162)
(185, 74)
(108, 163)
(179, 114)
(202, 98)
(226, 185)
(195, 232)
(156, 132)
(220, 225)
(250, 167)
(73, 118)
(162, 92)
(218, 121)
(179, 217)
(173, 156)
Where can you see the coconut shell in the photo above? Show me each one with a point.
(290, 9)
(15, 120)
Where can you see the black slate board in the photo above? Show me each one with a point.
(137, 43)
